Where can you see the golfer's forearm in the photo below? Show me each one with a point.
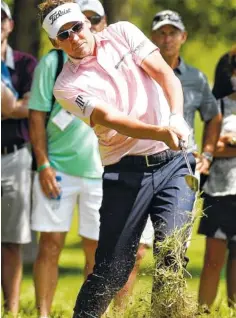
(162, 73)
(211, 134)
(38, 135)
(125, 125)
(173, 92)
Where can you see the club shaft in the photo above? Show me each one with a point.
(187, 162)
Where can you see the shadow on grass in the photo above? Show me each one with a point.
(74, 245)
(63, 271)
(195, 272)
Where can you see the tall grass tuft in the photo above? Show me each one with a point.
(171, 297)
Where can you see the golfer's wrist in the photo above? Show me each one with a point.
(43, 166)
(162, 134)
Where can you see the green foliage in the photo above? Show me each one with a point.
(209, 36)
(210, 24)
(211, 21)
(197, 53)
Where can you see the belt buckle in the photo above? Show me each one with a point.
(147, 162)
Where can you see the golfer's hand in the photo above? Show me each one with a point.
(171, 136)
(49, 185)
(178, 122)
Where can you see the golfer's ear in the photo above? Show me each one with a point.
(54, 43)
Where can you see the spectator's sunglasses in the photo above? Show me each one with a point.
(167, 16)
(95, 19)
(64, 35)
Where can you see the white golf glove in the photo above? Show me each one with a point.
(177, 121)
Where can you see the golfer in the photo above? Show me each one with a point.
(118, 83)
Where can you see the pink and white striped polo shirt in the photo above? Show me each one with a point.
(114, 77)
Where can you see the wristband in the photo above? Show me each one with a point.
(208, 156)
(44, 166)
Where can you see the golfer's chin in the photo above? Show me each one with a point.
(79, 54)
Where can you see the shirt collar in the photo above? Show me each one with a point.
(99, 38)
(181, 68)
(75, 63)
(10, 58)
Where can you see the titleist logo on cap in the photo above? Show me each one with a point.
(58, 14)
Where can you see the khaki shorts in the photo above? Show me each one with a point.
(16, 191)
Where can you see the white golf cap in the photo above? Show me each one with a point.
(65, 13)
(91, 5)
(167, 17)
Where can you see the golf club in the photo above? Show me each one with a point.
(190, 179)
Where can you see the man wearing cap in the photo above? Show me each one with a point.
(168, 33)
(15, 166)
(117, 82)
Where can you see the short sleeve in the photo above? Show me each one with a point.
(140, 45)
(76, 102)
(43, 83)
(6, 78)
(208, 107)
(72, 93)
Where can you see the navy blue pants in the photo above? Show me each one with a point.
(132, 191)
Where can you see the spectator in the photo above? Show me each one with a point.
(107, 83)
(16, 168)
(218, 223)
(169, 34)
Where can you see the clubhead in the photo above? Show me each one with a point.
(192, 182)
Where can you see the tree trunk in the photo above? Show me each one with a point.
(26, 34)
(117, 10)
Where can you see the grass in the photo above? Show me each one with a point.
(71, 277)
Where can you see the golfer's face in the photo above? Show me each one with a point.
(76, 39)
(169, 40)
